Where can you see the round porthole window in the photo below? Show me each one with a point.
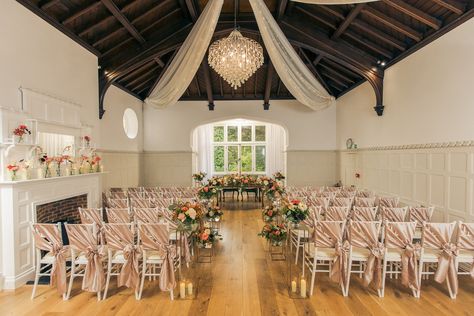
(130, 123)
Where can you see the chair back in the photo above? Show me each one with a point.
(142, 203)
(332, 189)
(342, 202)
(345, 194)
(146, 215)
(153, 236)
(337, 213)
(82, 236)
(437, 235)
(364, 201)
(118, 215)
(399, 234)
(394, 214)
(389, 201)
(420, 215)
(365, 194)
(328, 233)
(360, 213)
(319, 201)
(364, 234)
(47, 236)
(117, 203)
(119, 235)
(91, 215)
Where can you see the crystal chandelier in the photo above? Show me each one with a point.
(235, 58)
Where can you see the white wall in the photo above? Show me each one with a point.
(429, 102)
(168, 136)
(428, 97)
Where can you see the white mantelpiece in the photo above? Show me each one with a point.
(18, 201)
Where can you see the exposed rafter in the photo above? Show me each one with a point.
(81, 12)
(268, 85)
(348, 20)
(415, 13)
(315, 71)
(451, 5)
(112, 7)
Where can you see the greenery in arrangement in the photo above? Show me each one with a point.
(278, 176)
(272, 188)
(295, 211)
(199, 176)
(275, 233)
(206, 237)
(186, 213)
(214, 213)
(269, 214)
(206, 192)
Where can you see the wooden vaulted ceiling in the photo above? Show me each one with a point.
(343, 45)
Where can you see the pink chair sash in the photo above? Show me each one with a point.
(368, 214)
(420, 214)
(466, 239)
(389, 201)
(342, 202)
(364, 202)
(330, 235)
(121, 237)
(394, 214)
(365, 235)
(400, 236)
(48, 238)
(93, 216)
(117, 203)
(337, 213)
(438, 236)
(143, 203)
(156, 237)
(82, 239)
(364, 194)
(146, 215)
(118, 215)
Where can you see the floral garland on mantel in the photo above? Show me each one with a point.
(467, 143)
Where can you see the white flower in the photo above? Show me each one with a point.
(207, 231)
(191, 213)
(303, 206)
(265, 182)
(211, 213)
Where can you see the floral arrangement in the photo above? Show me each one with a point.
(278, 176)
(216, 181)
(199, 176)
(214, 213)
(273, 189)
(206, 237)
(95, 163)
(21, 131)
(295, 211)
(275, 233)
(269, 213)
(13, 168)
(206, 192)
(186, 213)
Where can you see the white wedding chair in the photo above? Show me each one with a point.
(300, 236)
(118, 215)
(158, 256)
(360, 213)
(48, 240)
(393, 214)
(364, 201)
(465, 244)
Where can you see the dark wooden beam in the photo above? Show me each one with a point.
(315, 71)
(159, 62)
(451, 5)
(369, 44)
(50, 4)
(390, 40)
(282, 4)
(131, 74)
(317, 59)
(343, 69)
(81, 12)
(337, 74)
(142, 76)
(42, 14)
(112, 7)
(415, 13)
(268, 85)
(348, 20)
(393, 23)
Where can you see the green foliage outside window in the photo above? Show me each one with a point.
(218, 133)
(260, 133)
(260, 158)
(232, 133)
(246, 158)
(246, 133)
(232, 158)
(219, 158)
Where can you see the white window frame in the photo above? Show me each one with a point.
(239, 143)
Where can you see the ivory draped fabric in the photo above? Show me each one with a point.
(186, 63)
(333, 2)
(400, 236)
(48, 238)
(297, 78)
(82, 239)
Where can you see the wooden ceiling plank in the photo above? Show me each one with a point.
(81, 12)
(415, 13)
(336, 73)
(335, 79)
(317, 18)
(371, 45)
(330, 9)
(42, 14)
(159, 62)
(143, 83)
(393, 23)
(380, 35)
(134, 72)
(348, 20)
(144, 75)
(108, 36)
(451, 5)
(112, 7)
(50, 4)
(342, 69)
(317, 59)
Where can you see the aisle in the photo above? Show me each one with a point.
(242, 280)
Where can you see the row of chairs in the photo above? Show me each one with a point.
(444, 246)
(127, 251)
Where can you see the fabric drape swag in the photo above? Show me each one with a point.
(186, 63)
(47, 237)
(297, 78)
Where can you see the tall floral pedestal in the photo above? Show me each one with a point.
(297, 284)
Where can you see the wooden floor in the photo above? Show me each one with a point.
(242, 280)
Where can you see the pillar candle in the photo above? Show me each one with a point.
(182, 290)
(293, 286)
(67, 171)
(190, 288)
(39, 173)
(101, 168)
(303, 288)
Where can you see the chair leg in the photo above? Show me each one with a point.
(142, 281)
(107, 282)
(313, 276)
(348, 278)
(420, 273)
(73, 270)
(37, 276)
(384, 275)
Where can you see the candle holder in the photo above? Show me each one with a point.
(278, 250)
(297, 284)
(186, 289)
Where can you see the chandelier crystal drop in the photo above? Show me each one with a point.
(235, 58)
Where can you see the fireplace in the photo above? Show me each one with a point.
(65, 210)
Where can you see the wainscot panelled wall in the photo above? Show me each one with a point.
(439, 176)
